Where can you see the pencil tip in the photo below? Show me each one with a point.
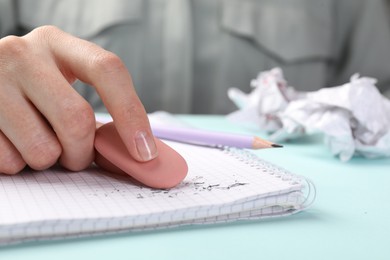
(277, 145)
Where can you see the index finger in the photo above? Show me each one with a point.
(109, 76)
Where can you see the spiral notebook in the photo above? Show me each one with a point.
(222, 185)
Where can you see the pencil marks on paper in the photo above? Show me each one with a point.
(197, 185)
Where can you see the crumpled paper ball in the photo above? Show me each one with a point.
(262, 106)
(354, 117)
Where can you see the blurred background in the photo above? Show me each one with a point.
(183, 55)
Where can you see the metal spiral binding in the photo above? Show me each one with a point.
(269, 168)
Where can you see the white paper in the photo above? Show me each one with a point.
(354, 117)
(269, 97)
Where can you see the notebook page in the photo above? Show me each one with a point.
(218, 183)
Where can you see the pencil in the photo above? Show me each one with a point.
(211, 138)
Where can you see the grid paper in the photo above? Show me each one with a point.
(221, 185)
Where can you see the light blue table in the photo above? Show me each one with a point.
(350, 218)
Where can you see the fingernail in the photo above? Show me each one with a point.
(146, 147)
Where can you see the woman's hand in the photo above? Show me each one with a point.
(44, 120)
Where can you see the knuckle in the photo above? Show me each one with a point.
(42, 153)
(79, 120)
(131, 116)
(106, 62)
(45, 31)
(44, 34)
(128, 112)
(13, 46)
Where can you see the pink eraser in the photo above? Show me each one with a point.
(165, 171)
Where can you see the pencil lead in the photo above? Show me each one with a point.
(277, 145)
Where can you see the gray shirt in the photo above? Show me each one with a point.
(184, 54)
